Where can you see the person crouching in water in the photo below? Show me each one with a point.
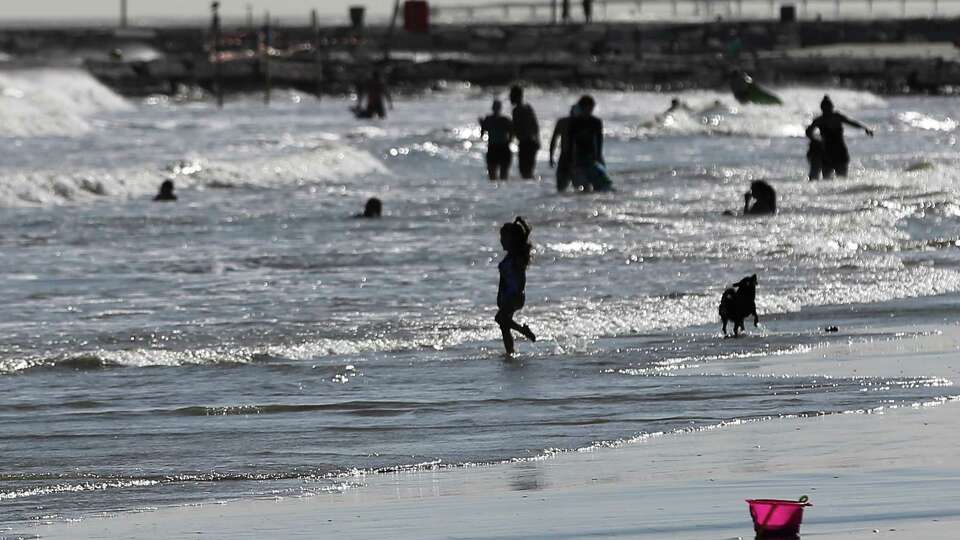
(514, 237)
(833, 154)
(499, 131)
(586, 148)
(760, 200)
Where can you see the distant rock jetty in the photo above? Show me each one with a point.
(666, 56)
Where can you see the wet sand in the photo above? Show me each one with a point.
(880, 474)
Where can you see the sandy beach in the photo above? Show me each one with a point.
(888, 473)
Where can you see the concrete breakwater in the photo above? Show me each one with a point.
(650, 56)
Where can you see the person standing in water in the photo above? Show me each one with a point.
(515, 239)
(377, 95)
(499, 132)
(834, 158)
(527, 131)
(586, 148)
(561, 135)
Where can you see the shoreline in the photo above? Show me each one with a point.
(883, 472)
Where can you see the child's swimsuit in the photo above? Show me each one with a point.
(510, 295)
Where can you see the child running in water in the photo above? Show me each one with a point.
(514, 237)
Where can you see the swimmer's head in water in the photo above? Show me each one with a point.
(587, 104)
(166, 192)
(497, 106)
(826, 105)
(516, 95)
(373, 208)
(674, 102)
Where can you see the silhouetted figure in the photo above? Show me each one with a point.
(588, 11)
(373, 208)
(527, 130)
(561, 138)
(166, 192)
(515, 239)
(565, 11)
(738, 302)
(586, 148)
(377, 97)
(733, 47)
(834, 156)
(761, 199)
(677, 105)
(745, 90)
(499, 132)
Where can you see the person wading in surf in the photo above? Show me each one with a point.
(830, 150)
(514, 237)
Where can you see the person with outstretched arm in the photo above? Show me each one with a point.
(834, 157)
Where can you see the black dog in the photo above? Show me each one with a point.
(738, 302)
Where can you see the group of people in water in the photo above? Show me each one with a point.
(501, 130)
(580, 162)
(579, 138)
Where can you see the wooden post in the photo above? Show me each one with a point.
(836, 9)
(673, 7)
(903, 8)
(215, 50)
(388, 42)
(553, 11)
(123, 13)
(870, 7)
(265, 58)
(317, 51)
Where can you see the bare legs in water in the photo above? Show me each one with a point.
(507, 324)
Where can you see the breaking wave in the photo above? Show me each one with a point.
(327, 162)
(46, 102)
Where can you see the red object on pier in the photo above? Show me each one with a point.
(416, 16)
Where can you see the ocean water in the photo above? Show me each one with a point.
(253, 339)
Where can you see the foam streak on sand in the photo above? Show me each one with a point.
(890, 474)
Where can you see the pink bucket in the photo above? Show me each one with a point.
(777, 517)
